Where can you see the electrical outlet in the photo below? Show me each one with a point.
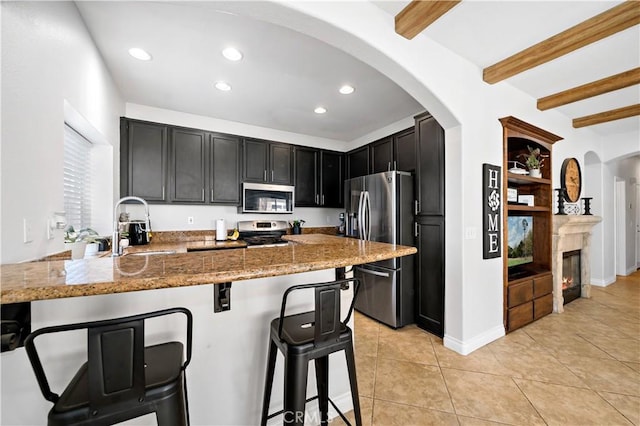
(27, 231)
(470, 233)
(190, 220)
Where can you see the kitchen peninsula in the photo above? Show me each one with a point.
(226, 375)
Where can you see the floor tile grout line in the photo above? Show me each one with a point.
(529, 401)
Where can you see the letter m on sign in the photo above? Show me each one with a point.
(491, 211)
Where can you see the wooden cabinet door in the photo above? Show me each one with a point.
(358, 162)
(332, 187)
(225, 161)
(430, 285)
(430, 140)
(382, 155)
(404, 146)
(306, 177)
(280, 164)
(187, 160)
(255, 160)
(144, 161)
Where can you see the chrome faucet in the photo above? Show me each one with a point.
(115, 243)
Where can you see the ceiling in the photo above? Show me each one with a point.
(284, 74)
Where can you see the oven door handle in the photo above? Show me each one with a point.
(370, 272)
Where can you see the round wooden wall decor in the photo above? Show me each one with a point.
(571, 180)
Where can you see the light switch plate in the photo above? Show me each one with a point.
(27, 231)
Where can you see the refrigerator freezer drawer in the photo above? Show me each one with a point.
(380, 295)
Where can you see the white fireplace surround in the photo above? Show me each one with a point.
(571, 232)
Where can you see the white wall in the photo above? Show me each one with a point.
(48, 58)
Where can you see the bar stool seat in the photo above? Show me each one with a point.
(308, 336)
(122, 379)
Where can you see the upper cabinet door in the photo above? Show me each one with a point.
(256, 154)
(306, 177)
(226, 155)
(281, 162)
(188, 177)
(332, 177)
(358, 162)
(405, 150)
(430, 140)
(382, 155)
(144, 159)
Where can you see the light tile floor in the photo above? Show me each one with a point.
(581, 367)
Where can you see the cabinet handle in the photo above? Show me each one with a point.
(162, 192)
(389, 166)
(265, 175)
(323, 199)
(317, 199)
(202, 194)
(271, 175)
(395, 165)
(212, 195)
(416, 230)
(416, 206)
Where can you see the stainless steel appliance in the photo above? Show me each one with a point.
(263, 233)
(379, 208)
(139, 233)
(266, 198)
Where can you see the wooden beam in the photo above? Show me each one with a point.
(616, 19)
(603, 117)
(605, 85)
(419, 14)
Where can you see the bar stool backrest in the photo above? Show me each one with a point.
(327, 324)
(116, 366)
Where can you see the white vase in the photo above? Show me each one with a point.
(536, 173)
(77, 249)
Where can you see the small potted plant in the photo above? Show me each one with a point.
(534, 161)
(296, 226)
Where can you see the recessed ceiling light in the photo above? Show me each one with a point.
(222, 85)
(232, 54)
(138, 53)
(347, 90)
(320, 110)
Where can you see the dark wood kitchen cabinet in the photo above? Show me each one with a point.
(187, 175)
(226, 169)
(267, 162)
(395, 152)
(144, 163)
(358, 162)
(318, 177)
(430, 288)
(430, 167)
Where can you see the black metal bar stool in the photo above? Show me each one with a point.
(311, 336)
(122, 379)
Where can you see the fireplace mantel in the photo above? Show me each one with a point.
(571, 232)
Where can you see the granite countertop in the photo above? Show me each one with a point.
(55, 279)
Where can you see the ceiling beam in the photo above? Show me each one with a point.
(603, 117)
(605, 85)
(419, 14)
(616, 19)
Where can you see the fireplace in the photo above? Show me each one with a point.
(571, 276)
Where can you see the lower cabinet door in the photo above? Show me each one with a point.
(542, 306)
(520, 315)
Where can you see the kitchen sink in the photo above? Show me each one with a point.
(152, 253)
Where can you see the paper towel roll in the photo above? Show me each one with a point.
(221, 230)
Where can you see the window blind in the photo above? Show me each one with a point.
(77, 179)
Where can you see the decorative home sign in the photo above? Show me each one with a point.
(491, 216)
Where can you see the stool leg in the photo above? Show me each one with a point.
(295, 389)
(351, 367)
(268, 383)
(322, 381)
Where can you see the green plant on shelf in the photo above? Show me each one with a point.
(87, 235)
(534, 159)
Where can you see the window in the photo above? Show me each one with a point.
(77, 178)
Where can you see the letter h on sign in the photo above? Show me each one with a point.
(491, 216)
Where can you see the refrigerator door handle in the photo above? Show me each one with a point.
(361, 216)
(370, 272)
(368, 208)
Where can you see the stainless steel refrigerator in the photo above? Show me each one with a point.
(379, 207)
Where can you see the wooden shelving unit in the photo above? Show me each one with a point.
(528, 288)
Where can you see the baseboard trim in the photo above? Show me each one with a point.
(604, 282)
(466, 347)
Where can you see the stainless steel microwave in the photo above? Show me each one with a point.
(267, 198)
